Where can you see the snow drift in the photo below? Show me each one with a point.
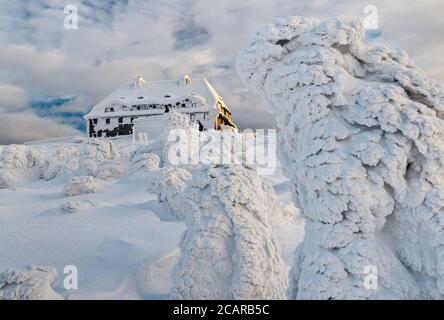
(228, 250)
(32, 284)
(77, 206)
(361, 133)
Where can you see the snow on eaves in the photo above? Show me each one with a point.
(198, 90)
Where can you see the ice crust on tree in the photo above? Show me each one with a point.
(361, 131)
(31, 284)
(228, 250)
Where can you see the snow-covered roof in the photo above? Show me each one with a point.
(156, 92)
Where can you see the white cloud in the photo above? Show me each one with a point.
(115, 43)
(17, 127)
(12, 98)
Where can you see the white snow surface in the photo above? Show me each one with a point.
(361, 131)
(116, 212)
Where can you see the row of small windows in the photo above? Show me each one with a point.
(137, 107)
(140, 98)
(120, 120)
(108, 120)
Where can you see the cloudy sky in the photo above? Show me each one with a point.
(50, 76)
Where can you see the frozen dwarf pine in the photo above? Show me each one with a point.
(32, 284)
(83, 185)
(18, 164)
(169, 184)
(228, 250)
(361, 135)
(144, 160)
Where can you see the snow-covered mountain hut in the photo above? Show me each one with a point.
(115, 114)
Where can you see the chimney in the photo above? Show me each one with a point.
(139, 82)
(186, 80)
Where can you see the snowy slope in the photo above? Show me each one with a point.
(123, 241)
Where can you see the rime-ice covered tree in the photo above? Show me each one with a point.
(228, 250)
(96, 157)
(31, 284)
(361, 135)
(83, 185)
(169, 184)
(177, 127)
(18, 163)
